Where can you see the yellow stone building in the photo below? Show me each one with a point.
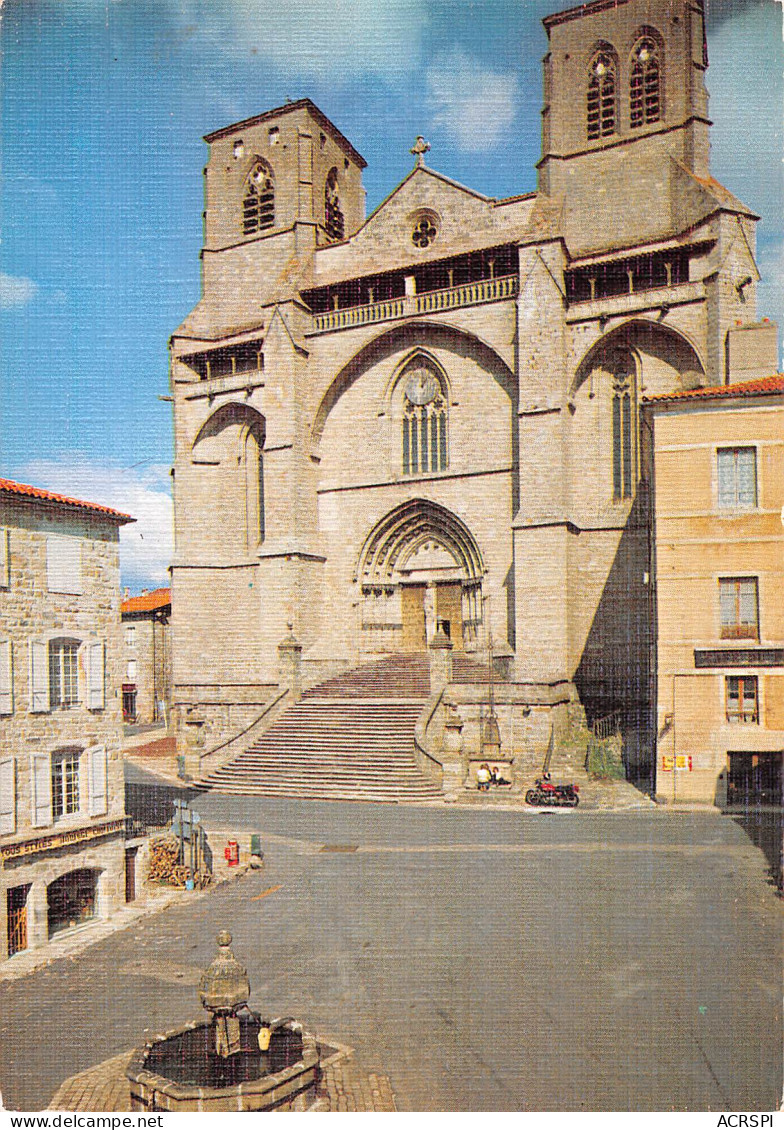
(719, 592)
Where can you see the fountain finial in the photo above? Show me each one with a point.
(224, 985)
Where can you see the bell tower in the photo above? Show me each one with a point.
(624, 78)
(288, 172)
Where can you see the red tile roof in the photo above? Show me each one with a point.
(8, 486)
(147, 602)
(760, 386)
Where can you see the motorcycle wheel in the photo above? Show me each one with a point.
(530, 797)
(575, 801)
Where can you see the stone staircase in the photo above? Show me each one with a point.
(350, 738)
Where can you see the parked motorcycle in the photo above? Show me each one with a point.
(545, 793)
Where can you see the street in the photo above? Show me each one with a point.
(483, 960)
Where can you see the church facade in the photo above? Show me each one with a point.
(431, 415)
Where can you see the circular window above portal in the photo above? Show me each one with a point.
(425, 230)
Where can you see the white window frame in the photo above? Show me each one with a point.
(61, 755)
(737, 508)
(60, 642)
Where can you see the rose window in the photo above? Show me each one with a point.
(424, 233)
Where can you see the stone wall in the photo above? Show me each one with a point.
(31, 614)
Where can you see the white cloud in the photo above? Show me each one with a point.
(474, 105)
(16, 291)
(146, 545)
(329, 39)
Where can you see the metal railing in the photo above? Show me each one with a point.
(430, 302)
(607, 726)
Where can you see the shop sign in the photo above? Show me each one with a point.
(61, 839)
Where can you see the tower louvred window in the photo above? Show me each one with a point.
(601, 106)
(645, 84)
(258, 205)
(333, 216)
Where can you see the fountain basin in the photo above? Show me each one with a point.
(178, 1070)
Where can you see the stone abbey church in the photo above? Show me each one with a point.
(425, 423)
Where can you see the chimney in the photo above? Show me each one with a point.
(752, 351)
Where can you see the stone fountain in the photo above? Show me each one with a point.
(235, 1060)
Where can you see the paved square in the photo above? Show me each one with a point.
(482, 961)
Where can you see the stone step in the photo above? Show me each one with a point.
(350, 738)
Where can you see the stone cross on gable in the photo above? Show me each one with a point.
(419, 149)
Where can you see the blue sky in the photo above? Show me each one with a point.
(104, 104)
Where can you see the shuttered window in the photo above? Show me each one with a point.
(64, 564)
(7, 796)
(65, 783)
(742, 702)
(739, 607)
(63, 674)
(96, 761)
(6, 677)
(737, 475)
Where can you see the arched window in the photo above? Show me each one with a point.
(624, 426)
(645, 83)
(601, 105)
(425, 446)
(333, 217)
(258, 205)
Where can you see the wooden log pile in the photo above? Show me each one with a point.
(165, 866)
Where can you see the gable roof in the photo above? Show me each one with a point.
(759, 386)
(147, 601)
(36, 494)
(469, 221)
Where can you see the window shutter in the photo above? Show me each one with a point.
(748, 602)
(7, 795)
(96, 761)
(5, 559)
(6, 678)
(95, 677)
(39, 677)
(747, 477)
(64, 564)
(726, 473)
(41, 778)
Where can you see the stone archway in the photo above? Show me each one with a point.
(73, 899)
(419, 566)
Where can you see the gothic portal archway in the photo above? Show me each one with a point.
(420, 566)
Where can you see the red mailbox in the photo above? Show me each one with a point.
(232, 853)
